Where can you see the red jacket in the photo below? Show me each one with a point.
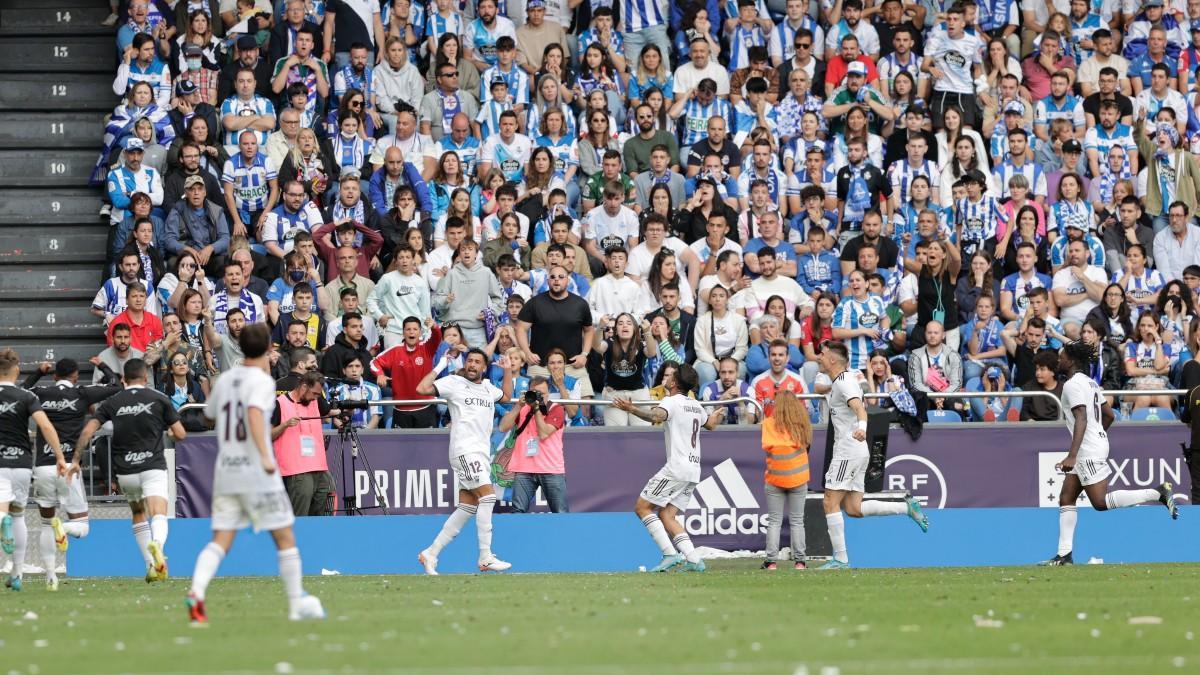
(407, 367)
(324, 238)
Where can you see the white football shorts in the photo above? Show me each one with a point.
(14, 486)
(1092, 470)
(846, 474)
(268, 511)
(473, 470)
(51, 490)
(662, 489)
(138, 486)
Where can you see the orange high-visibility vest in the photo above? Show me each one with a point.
(787, 463)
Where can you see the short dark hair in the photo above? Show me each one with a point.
(255, 340)
(135, 369)
(350, 316)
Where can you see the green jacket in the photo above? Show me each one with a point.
(1187, 180)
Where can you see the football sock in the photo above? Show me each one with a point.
(77, 527)
(20, 543)
(878, 508)
(47, 547)
(1123, 498)
(141, 534)
(658, 532)
(452, 527)
(1067, 517)
(684, 544)
(158, 530)
(289, 571)
(483, 524)
(206, 568)
(837, 535)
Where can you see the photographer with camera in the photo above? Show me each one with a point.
(537, 448)
(299, 444)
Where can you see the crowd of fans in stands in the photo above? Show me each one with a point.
(600, 190)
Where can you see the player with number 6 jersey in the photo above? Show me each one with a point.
(1086, 464)
(247, 488)
(669, 491)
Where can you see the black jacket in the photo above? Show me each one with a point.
(341, 352)
(173, 187)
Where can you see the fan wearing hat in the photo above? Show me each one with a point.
(132, 177)
(856, 92)
(1012, 117)
(195, 68)
(246, 55)
(1076, 230)
(1172, 173)
(1070, 162)
(189, 102)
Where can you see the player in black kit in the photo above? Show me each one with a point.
(66, 403)
(140, 415)
(17, 407)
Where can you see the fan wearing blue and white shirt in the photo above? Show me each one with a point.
(1084, 21)
(110, 299)
(954, 59)
(1060, 104)
(506, 69)
(903, 171)
(246, 110)
(860, 321)
(141, 64)
(508, 150)
(296, 213)
(251, 186)
(1140, 283)
(482, 33)
(744, 31)
(1016, 286)
(1109, 133)
(781, 42)
(644, 22)
(132, 177)
(354, 388)
(693, 108)
(1019, 162)
(1159, 95)
(851, 23)
(978, 216)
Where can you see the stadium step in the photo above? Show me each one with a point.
(62, 17)
(51, 130)
(48, 319)
(74, 243)
(55, 55)
(36, 283)
(33, 352)
(68, 168)
(40, 208)
(41, 92)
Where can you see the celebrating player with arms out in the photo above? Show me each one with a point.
(844, 483)
(247, 489)
(670, 490)
(140, 416)
(1086, 465)
(472, 401)
(17, 407)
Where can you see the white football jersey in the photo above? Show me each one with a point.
(1082, 390)
(239, 468)
(682, 431)
(472, 413)
(845, 389)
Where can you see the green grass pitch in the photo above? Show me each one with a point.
(732, 619)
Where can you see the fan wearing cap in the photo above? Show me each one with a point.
(837, 70)
(246, 55)
(1154, 17)
(132, 177)
(1012, 118)
(856, 92)
(1171, 173)
(541, 31)
(1077, 229)
(1069, 160)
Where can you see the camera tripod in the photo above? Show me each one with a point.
(348, 433)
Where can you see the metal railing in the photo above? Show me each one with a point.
(425, 402)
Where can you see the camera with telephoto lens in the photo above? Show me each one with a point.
(533, 397)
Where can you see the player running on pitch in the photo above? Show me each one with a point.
(66, 404)
(1086, 465)
(670, 490)
(140, 416)
(247, 488)
(17, 407)
(472, 401)
(844, 482)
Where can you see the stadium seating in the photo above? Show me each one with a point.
(55, 86)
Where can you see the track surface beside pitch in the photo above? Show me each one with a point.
(733, 618)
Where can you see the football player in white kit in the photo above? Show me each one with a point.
(472, 401)
(670, 490)
(247, 488)
(1086, 464)
(844, 482)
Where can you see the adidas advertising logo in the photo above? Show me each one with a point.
(712, 513)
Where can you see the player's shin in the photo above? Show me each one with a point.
(879, 508)
(207, 564)
(658, 533)
(289, 572)
(452, 527)
(1120, 499)
(837, 535)
(141, 534)
(483, 524)
(158, 530)
(46, 547)
(20, 542)
(1067, 517)
(684, 544)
